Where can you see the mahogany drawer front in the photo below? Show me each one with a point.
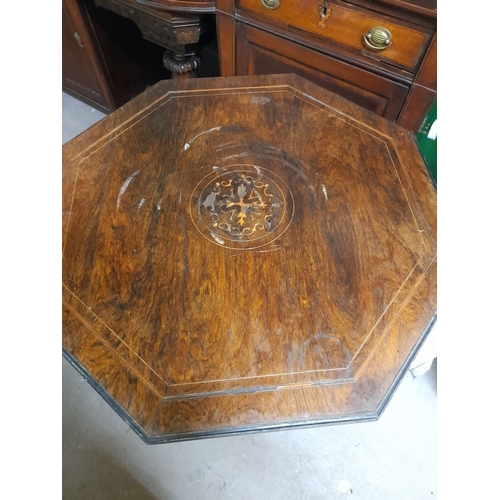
(262, 53)
(346, 27)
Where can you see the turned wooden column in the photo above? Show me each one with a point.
(181, 65)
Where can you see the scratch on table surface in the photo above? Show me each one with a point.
(220, 241)
(318, 336)
(140, 204)
(260, 100)
(324, 191)
(270, 249)
(209, 131)
(124, 187)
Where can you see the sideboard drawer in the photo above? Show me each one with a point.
(346, 27)
(262, 53)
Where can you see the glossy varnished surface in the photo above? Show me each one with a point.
(245, 253)
(346, 27)
(259, 55)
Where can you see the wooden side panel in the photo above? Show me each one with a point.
(427, 74)
(422, 92)
(226, 36)
(82, 71)
(416, 106)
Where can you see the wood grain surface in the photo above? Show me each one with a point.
(423, 92)
(245, 253)
(347, 26)
(261, 53)
(84, 73)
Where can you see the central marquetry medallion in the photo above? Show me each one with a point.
(242, 206)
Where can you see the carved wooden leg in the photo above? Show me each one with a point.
(181, 66)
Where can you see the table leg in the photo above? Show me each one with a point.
(181, 65)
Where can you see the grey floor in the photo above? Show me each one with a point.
(391, 459)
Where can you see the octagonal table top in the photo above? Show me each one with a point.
(245, 253)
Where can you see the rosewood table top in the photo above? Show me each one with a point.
(245, 253)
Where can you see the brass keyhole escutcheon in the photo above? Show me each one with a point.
(271, 4)
(378, 38)
(324, 14)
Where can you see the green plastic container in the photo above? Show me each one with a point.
(427, 140)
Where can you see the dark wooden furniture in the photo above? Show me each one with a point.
(179, 33)
(84, 73)
(334, 44)
(243, 254)
(330, 42)
(114, 49)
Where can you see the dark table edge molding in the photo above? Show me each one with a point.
(284, 425)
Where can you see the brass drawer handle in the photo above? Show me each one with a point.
(271, 4)
(377, 38)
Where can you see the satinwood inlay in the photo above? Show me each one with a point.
(243, 206)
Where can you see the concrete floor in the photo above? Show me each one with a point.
(391, 459)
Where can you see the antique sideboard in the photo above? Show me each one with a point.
(115, 49)
(380, 54)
